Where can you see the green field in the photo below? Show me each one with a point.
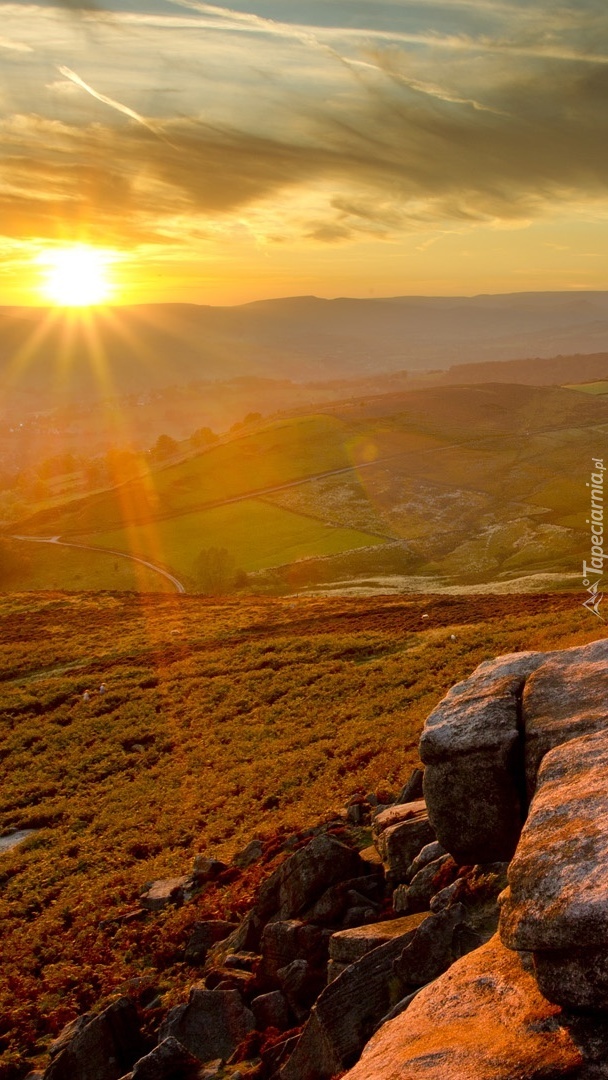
(49, 566)
(257, 535)
(597, 388)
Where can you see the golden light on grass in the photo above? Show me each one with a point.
(76, 276)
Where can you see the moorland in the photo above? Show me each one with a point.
(223, 720)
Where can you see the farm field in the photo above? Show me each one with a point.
(258, 535)
(223, 720)
(471, 485)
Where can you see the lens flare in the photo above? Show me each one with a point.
(76, 276)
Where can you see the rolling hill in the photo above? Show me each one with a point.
(438, 488)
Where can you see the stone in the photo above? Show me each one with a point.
(400, 833)
(434, 946)
(168, 1061)
(472, 748)
(412, 789)
(430, 880)
(104, 1046)
(249, 855)
(301, 983)
(558, 879)
(271, 1011)
(211, 1024)
(306, 875)
(484, 1019)
(204, 935)
(207, 869)
(283, 942)
(429, 853)
(565, 698)
(346, 1013)
(331, 907)
(348, 946)
(556, 905)
(168, 891)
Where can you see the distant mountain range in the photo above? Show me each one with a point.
(48, 356)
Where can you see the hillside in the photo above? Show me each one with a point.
(436, 488)
(48, 358)
(221, 721)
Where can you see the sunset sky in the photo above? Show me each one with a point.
(282, 147)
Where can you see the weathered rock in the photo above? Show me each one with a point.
(168, 1061)
(348, 946)
(429, 854)
(565, 698)
(557, 902)
(204, 935)
(346, 1013)
(558, 880)
(483, 1020)
(168, 891)
(301, 983)
(331, 907)
(434, 946)
(104, 1046)
(309, 872)
(271, 1011)
(207, 869)
(249, 855)
(211, 1024)
(400, 833)
(412, 789)
(473, 752)
(283, 942)
(478, 889)
(426, 883)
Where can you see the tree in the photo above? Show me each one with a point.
(214, 571)
(164, 446)
(203, 436)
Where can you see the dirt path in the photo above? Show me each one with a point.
(104, 551)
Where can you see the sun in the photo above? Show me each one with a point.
(76, 276)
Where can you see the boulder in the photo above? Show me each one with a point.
(332, 906)
(168, 891)
(557, 902)
(211, 1024)
(346, 1013)
(168, 1061)
(204, 935)
(473, 751)
(565, 698)
(306, 875)
(484, 1019)
(348, 946)
(283, 942)
(301, 983)
(249, 855)
(412, 789)
(207, 869)
(429, 853)
(400, 833)
(104, 1046)
(434, 946)
(430, 880)
(271, 1011)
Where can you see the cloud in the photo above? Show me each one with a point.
(339, 140)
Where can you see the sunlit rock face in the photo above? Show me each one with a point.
(484, 1019)
(484, 742)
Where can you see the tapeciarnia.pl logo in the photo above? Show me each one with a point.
(594, 570)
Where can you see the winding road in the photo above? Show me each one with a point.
(107, 551)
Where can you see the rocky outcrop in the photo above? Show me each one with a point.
(104, 1046)
(485, 1019)
(211, 1025)
(557, 903)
